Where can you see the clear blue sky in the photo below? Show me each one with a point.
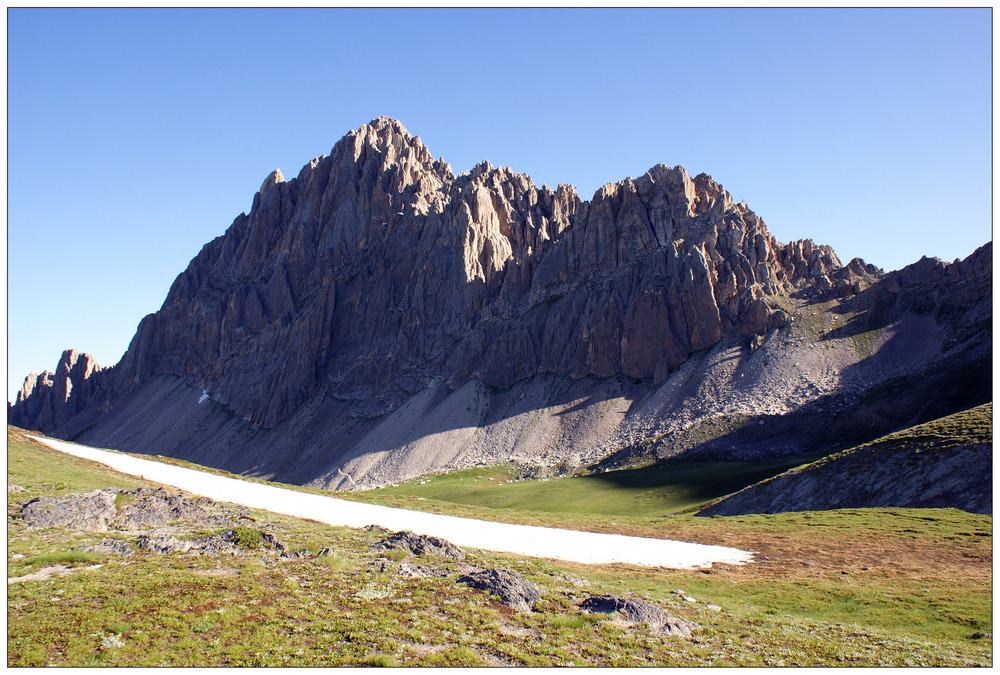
(136, 136)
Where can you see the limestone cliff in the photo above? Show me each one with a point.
(377, 274)
(49, 400)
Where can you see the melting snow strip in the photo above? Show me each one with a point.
(529, 540)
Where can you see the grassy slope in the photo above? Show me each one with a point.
(972, 426)
(809, 600)
(932, 440)
(647, 492)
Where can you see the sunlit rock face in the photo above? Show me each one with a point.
(377, 262)
(377, 271)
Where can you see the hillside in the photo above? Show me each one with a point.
(379, 317)
(944, 463)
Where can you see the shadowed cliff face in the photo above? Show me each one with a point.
(49, 400)
(377, 272)
(377, 263)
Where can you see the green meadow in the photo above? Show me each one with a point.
(857, 587)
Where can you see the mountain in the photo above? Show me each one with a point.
(378, 317)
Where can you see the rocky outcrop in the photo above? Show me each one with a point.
(420, 544)
(633, 611)
(49, 400)
(124, 510)
(145, 508)
(513, 591)
(85, 512)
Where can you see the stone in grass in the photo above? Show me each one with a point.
(145, 508)
(215, 544)
(271, 541)
(295, 555)
(640, 611)
(111, 642)
(86, 512)
(420, 544)
(222, 543)
(163, 544)
(512, 590)
(110, 547)
(413, 571)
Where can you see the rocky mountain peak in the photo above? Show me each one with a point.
(274, 178)
(52, 398)
(377, 262)
(377, 276)
(385, 127)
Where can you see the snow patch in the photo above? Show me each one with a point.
(529, 540)
(204, 396)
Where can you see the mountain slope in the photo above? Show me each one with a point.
(945, 463)
(378, 317)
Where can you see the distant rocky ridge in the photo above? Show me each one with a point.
(378, 301)
(49, 400)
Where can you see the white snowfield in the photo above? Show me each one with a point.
(541, 542)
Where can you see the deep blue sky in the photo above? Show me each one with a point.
(136, 136)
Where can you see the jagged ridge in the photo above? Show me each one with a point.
(377, 262)
(378, 281)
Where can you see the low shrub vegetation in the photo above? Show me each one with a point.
(858, 587)
(62, 557)
(248, 537)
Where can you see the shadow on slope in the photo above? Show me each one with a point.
(649, 492)
(836, 421)
(945, 463)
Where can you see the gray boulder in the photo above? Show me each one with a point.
(145, 508)
(87, 512)
(513, 591)
(639, 611)
(110, 547)
(163, 544)
(420, 544)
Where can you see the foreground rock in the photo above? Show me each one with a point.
(87, 512)
(223, 543)
(420, 544)
(513, 591)
(640, 611)
(227, 542)
(145, 508)
(110, 547)
(135, 510)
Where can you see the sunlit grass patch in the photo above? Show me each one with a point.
(256, 609)
(62, 557)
